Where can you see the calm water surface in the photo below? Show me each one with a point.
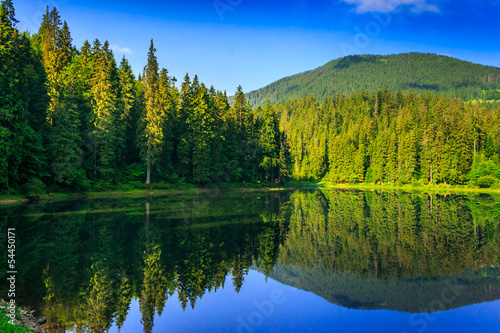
(303, 261)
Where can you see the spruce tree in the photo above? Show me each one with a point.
(153, 117)
(126, 101)
(184, 133)
(202, 132)
(106, 131)
(22, 158)
(268, 142)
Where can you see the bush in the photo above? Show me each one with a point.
(417, 183)
(486, 181)
(131, 173)
(33, 189)
(369, 176)
(482, 167)
(103, 186)
(81, 183)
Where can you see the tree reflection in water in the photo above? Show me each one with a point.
(84, 261)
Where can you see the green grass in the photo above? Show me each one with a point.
(6, 327)
(409, 187)
(11, 197)
(165, 189)
(156, 189)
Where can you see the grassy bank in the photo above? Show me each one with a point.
(464, 189)
(165, 189)
(161, 189)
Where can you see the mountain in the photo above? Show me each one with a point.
(407, 72)
(397, 294)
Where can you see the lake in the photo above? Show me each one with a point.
(260, 261)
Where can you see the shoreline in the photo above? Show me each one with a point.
(293, 185)
(24, 319)
(407, 188)
(139, 193)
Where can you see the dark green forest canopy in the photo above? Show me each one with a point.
(74, 119)
(389, 137)
(417, 72)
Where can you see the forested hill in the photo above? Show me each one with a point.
(404, 295)
(407, 72)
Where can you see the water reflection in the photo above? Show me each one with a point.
(84, 262)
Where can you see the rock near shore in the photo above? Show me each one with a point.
(27, 318)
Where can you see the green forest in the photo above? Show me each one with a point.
(76, 120)
(395, 138)
(419, 72)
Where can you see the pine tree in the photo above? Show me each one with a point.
(8, 93)
(63, 47)
(153, 134)
(184, 133)
(167, 104)
(21, 101)
(106, 131)
(268, 142)
(50, 32)
(126, 101)
(202, 134)
(240, 110)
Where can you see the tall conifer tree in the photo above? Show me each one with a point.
(153, 117)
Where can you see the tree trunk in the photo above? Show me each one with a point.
(147, 220)
(430, 173)
(148, 172)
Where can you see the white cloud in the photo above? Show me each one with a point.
(119, 49)
(417, 6)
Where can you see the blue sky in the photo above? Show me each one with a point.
(253, 42)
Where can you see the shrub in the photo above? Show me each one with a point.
(486, 181)
(132, 173)
(482, 167)
(33, 189)
(82, 183)
(417, 183)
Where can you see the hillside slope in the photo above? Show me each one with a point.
(407, 72)
(397, 294)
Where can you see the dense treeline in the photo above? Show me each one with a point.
(74, 119)
(389, 137)
(418, 72)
